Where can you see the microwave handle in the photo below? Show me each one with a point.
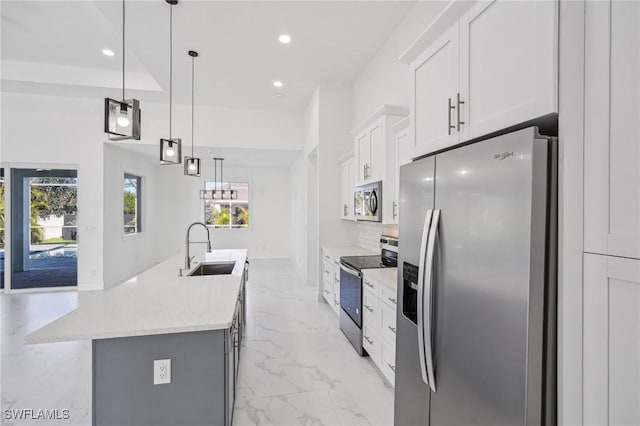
(373, 202)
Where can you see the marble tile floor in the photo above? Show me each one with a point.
(296, 367)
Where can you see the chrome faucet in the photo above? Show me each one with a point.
(187, 258)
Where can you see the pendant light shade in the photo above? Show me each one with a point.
(122, 118)
(221, 189)
(171, 148)
(192, 164)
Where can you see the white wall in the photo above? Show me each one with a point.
(385, 80)
(178, 205)
(127, 256)
(299, 220)
(67, 133)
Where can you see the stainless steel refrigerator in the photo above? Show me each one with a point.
(476, 285)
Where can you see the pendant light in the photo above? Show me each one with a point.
(192, 164)
(122, 118)
(171, 148)
(219, 192)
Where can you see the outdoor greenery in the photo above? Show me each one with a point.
(129, 203)
(236, 216)
(2, 215)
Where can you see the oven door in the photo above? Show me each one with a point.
(351, 293)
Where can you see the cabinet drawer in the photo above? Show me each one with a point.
(327, 270)
(370, 307)
(370, 285)
(388, 295)
(370, 341)
(388, 361)
(388, 323)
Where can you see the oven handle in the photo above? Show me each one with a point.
(349, 270)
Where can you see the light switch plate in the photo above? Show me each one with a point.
(161, 371)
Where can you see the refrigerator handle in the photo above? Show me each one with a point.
(421, 274)
(428, 304)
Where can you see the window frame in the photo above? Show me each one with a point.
(139, 208)
(249, 204)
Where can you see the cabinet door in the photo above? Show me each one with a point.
(403, 154)
(611, 341)
(377, 147)
(351, 182)
(363, 156)
(434, 84)
(508, 65)
(612, 128)
(344, 179)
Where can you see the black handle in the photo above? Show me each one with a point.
(373, 202)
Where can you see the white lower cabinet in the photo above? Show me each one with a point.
(379, 325)
(611, 346)
(331, 281)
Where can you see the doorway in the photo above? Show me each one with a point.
(44, 232)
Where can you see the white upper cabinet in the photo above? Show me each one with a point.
(347, 182)
(376, 156)
(482, 67)
(434, 79)
(403, 154)
(508, 65)
(612, 128)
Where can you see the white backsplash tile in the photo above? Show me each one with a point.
(368, 234)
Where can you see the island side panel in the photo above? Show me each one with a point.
(123, 389)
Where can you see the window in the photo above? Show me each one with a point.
(132, 204)
(228, 214)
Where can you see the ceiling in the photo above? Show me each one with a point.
(55, 47)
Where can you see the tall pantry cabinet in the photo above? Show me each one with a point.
(611, 345)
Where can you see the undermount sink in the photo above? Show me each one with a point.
(213, 268)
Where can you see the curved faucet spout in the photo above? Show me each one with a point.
(187, 243)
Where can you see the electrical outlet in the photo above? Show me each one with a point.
(161, 371)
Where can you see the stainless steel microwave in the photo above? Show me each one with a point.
(367, 202)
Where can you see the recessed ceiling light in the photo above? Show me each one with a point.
(108, 52)
(284, 39)
(277, 83)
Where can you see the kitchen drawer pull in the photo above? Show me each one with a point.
(368, 340)
(326, 291)
(327, 257)
(392, 367)
(326, 272)
(368, 284)
(368, 308)
(395, 206)
(392, 329)
(392, 300)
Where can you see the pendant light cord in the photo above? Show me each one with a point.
(170, 67)
(193, 142)
(123, 51)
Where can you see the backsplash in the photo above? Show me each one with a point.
(368, 234)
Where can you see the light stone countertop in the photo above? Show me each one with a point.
(348, 251)
(157, 301)
(386, 276)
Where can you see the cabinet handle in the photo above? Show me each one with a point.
(392, 300)
(392, 367)
(368, 284)
(392, 329)
(345, 210)
(326, 291)
(368, 340)
(450, 107)
(459, 102)
(395, 205)
(368, 308)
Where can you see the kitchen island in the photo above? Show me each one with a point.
(196, 322)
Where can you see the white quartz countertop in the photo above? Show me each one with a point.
(157, 301)
(348, 251)
(386, 276)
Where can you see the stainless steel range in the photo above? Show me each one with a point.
(351, 287)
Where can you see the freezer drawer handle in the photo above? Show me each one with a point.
(420, 313)
(428, 313)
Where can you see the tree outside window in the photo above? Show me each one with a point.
(228, 214)
(131, 204)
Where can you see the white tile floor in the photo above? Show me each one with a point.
(296, 367)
